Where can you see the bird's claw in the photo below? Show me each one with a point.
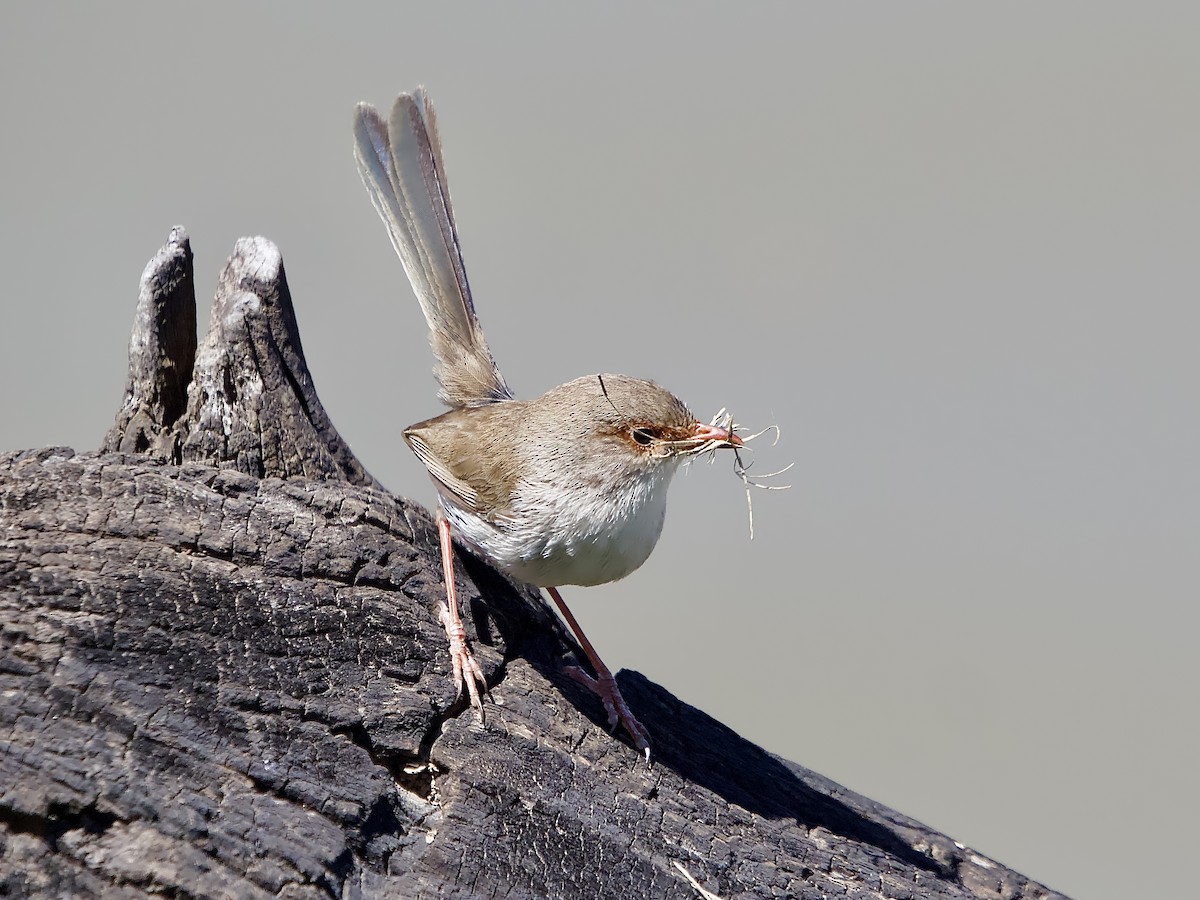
(466, 670)
(605, 687)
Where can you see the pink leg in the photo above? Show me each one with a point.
(466, 670)
(603, 685)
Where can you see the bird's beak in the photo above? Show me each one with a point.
(704, 432)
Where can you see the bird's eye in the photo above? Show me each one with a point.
(643, 437)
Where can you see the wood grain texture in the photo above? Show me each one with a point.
(221, 676)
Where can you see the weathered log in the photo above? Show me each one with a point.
(221, 675)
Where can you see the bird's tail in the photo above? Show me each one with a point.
(400, 162)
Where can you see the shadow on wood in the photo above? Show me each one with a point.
(222, 676)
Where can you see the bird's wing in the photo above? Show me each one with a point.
(471, 455)
(462, 493)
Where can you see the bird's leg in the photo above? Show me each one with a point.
(466, 670)
(603, 685)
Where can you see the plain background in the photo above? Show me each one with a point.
(950, 249)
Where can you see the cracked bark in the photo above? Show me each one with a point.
(222, 676)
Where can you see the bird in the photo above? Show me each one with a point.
(566, 489)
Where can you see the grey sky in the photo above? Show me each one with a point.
(950, 249)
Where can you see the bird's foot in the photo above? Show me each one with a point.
(466, 671)
(605, 687)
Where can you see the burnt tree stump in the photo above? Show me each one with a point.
(221, 676)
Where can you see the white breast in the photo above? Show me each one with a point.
(556, 537)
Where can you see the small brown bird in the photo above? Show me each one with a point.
(570, 488)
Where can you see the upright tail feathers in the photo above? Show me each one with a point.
(400, 162)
